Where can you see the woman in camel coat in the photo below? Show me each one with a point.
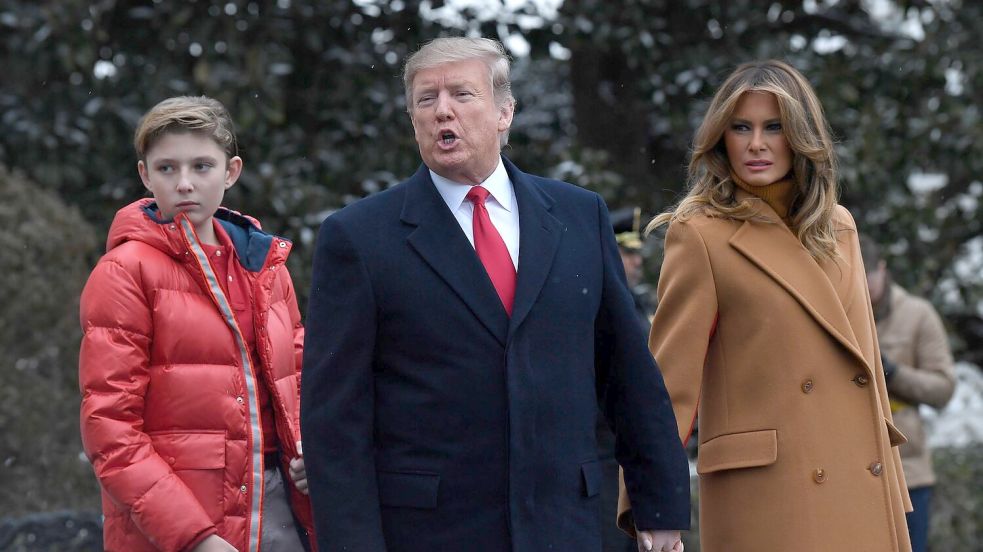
(764, 329)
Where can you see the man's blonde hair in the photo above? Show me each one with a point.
(814, 165)
(186, 114)
(450, 49)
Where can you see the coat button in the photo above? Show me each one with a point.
(171, 460)
(243, 489)
(819, 476)
(860, 380)
(876, 468)
(240, 400)
(283, 244)
(807, 386)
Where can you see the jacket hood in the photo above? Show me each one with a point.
(141, 221)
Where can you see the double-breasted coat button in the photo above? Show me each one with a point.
(876, 468)
(807, 386)
(860, 380)
(819, 476)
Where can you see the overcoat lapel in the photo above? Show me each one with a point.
(777, 252)
(539, 239)
(439, 240)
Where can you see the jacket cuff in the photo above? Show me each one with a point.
(650, 515)
(626, 522)
(198, 539)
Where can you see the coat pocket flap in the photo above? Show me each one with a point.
(894, 434)
(591, 472)
(738, 450)
(191, 451)
(408, 490)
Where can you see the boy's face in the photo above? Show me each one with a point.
(188, 173)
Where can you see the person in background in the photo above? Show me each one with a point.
(191, 356)
(627, 232)
(764, 327)
(918, 369)
(626, 223)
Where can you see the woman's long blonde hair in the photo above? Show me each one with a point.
(711, 190)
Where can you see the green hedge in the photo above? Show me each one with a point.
(46, 250)
(957, 505)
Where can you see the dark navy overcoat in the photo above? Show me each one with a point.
(433, 421)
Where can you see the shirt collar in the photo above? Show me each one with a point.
(498, 185)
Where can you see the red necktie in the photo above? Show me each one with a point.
(490, 246)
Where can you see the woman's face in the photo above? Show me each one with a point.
(756, 146)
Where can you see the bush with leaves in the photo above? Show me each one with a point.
(46, 251)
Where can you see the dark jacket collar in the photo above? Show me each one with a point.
(438, 238)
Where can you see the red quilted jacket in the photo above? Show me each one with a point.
(169, 414)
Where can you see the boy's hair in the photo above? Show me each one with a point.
(197, 114)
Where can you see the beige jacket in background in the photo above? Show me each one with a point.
(911, 335)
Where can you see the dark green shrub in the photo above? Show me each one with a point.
(957, 504)
(46, 250)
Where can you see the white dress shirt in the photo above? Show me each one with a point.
(501, 206)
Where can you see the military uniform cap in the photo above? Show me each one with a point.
(626, 223)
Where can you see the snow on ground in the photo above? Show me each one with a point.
(960, 423)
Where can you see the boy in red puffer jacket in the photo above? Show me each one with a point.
(191, 356)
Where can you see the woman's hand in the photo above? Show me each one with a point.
(298, 473)
(214, 543)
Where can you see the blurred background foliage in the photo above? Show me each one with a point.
(609, 96)
(47, 250)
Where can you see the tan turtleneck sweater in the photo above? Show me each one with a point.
(778, 195)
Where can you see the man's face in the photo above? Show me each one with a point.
(876, 282)
(456, 121)
(632, 259)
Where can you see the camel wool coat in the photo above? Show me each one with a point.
(778, 355)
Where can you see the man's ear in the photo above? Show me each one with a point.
(505, 114)
(232, 171)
